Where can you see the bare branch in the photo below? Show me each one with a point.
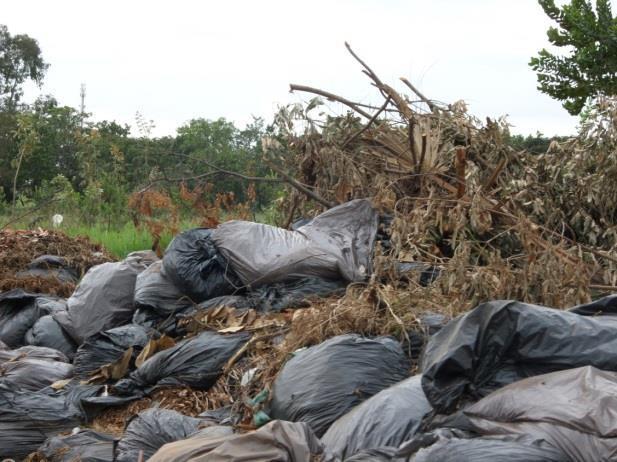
(331, 97)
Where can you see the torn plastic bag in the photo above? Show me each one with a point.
(277, 441)
(108, 347)
(85, 446)
(47, 332)
(151, 429)
(389, 418)
(50, 267)
(321, 383)
(154, 291)
(572, 410)
(33, 374)
(501, 342)
(195, 362)
(338, 244)
(103, 299)
(28, 418)
(33, 352)
(196, 267)
(18, 313)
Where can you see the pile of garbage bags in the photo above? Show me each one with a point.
(507, 381)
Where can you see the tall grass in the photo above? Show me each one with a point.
(119, 241)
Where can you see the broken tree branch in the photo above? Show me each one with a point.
(331, 97)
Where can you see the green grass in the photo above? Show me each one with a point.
(119, 242)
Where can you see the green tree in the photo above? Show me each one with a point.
(590, 68)
(20, 60)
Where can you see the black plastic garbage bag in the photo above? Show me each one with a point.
(572, 410)
(196, 268)
(103, 299)
(50, 267)
(322, 383)
(151, 429)
(389, 418)
(28, 418)
(108, 347)
(277, 441)
(84, 446)
(47, 332)
(338, 244)
(18, 313)
(33, 352)
(156, 292)
(90, 400)
(486, 450)
(196, 362)
(501, 342)
(229, 301)
(33, 374)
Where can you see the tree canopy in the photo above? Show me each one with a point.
(590, 68)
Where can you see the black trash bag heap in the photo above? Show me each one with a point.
(151, 429)
(104, 297)
(320, 384)
(337, 244)
(389, 418)
(196, 267)
(501, 342)
(85, 445)
(108, 347)
(195, 362)
(278, 440)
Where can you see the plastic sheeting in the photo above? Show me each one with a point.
(501, 342)
(335, 245)
(108, 347)
(196, 267)
(322, 383)
(85, 446)
(196, 362)
(104, 298)
(389, 418)
(277, 441)
(572, 410)
(150, 430)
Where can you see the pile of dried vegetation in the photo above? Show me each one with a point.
(20, 247)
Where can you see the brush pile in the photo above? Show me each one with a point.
(499, 223)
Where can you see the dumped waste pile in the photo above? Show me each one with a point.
(427, 307)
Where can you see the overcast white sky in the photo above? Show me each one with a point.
(174, 61)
